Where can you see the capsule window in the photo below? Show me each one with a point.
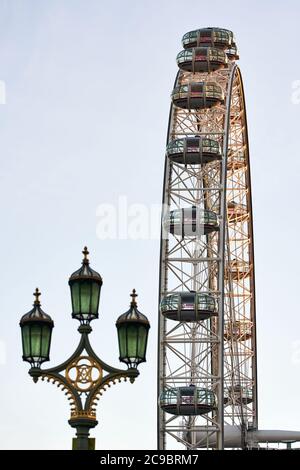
(170, 303)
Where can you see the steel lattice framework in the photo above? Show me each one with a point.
(218, 353)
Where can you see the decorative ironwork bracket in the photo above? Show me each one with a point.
(82, 377)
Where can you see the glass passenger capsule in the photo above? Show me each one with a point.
(237, 270)
(202, 59)
(216, 37)
(187, 401)
(188, 306)
(238, 394)
(197, 95)
(190, 222)
(236, 212)
(193, 150)
(235, 162)
(240, 330)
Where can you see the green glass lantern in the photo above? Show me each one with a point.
(85, 285)
(36, 327)
(133, 328)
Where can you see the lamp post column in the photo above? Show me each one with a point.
(83, 426)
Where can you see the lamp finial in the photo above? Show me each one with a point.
(85, 253)
(37, 295)
(133, 295)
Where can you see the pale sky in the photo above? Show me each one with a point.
(87, 99)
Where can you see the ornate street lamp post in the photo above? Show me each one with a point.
(84, 376)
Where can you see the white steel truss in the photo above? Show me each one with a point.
(218, 353)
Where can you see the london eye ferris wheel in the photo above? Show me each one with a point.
(207, 358)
